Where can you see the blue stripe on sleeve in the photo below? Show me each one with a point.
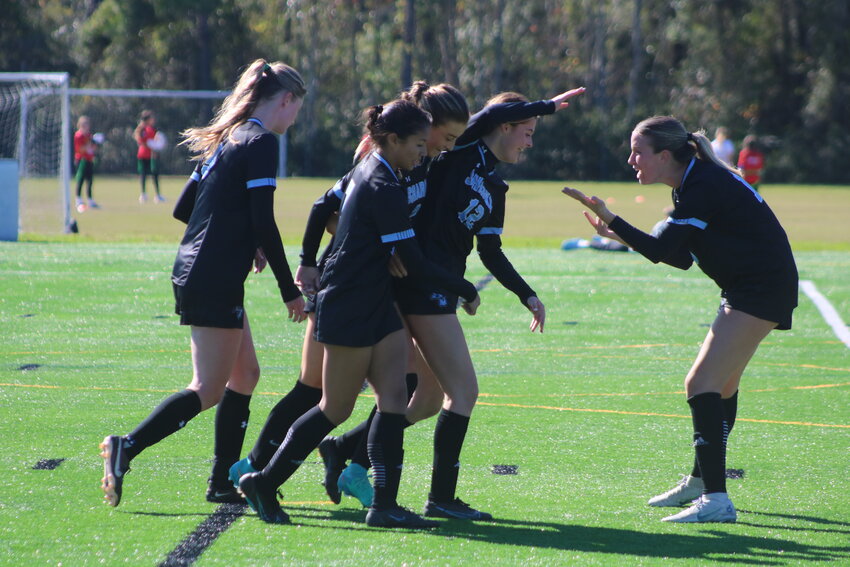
(195, 176)
(396, 236)
(265, 182)
(693, 222)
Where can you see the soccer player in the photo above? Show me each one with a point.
(466, 202)
(720, 222)
(228, 207)
(147, 163)
(84, 151)
(751, 161)
(449, 113)
(357, 320)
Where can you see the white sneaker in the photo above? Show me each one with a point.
(93, 204)
(688, 490)
(143, 198)
(714, 507)
(159, 199)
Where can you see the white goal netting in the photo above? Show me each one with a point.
(34, 115)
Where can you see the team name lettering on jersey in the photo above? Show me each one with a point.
(416, 192)
(475, 211)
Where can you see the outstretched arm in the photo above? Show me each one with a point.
(668, 247)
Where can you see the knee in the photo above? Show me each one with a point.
(209, 395)
(336, 412)
(462, 400)
(423, 407)
(245, 379)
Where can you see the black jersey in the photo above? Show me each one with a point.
(355, 304)
(227, 205)
(329, 203)
(726, 226)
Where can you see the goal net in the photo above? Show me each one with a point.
(34, 115)
(38, 116)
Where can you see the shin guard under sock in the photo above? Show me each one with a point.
(296, 403)
(730, 412)
(448, 441)
(172, 414)
(304, 436)
(386, 452)
(231, 422)
(710, 439)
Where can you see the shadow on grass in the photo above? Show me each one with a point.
(705, 542)
(702, 542)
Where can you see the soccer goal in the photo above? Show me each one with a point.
(38, 113)
(34, 117)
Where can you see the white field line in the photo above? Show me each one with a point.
(827, 311)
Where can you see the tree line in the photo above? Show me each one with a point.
(779, 69)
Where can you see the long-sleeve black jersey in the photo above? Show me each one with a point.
(466, 200)
(228, 207)
(724, 225)
(374, 221)
(329, 203)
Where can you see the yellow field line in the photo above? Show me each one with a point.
(522, 406)
(621, 412)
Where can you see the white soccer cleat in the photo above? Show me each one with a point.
(715, 507)
(689, 489)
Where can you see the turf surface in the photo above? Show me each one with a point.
(591, 414)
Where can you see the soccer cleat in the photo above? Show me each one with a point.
(397, 517)
(226, 495)
(457, 509)
(115, 466)
(240, 469)
(714, 507)
(689, 489)
(159, 199)
(354, 481)
(333, 467)
(143, 198)
(261, 500)
(93, 204)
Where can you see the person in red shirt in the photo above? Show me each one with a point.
(751, 161)
(84, 150)
(145, 131)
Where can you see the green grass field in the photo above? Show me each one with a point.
(591, 413)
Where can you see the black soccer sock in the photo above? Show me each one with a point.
(300, 399)
(448, 441)
(304, 436)
(386, 452)
(710, 439)
(730, 411)
(172, 414)
(231, 422)
(357, 441)
(360, 454)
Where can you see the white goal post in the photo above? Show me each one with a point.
(34, 115)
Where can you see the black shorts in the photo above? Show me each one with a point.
(774, 304)
(414, 301)
(204, 311)
(309, 304)
(342, 322)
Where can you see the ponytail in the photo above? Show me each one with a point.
(443, 102)
(258, 82)
(400, 117)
